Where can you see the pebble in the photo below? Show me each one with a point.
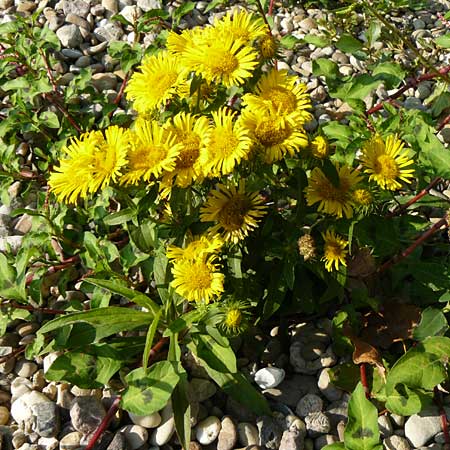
(24, 409)
(201, 389)
(420, 428)
(208, 430)
(147, 5)
(308, 404)
(25, 368)
(79, 7)
(270, 432)
(292, 439)
(395, 442)
(109, 32)
(228, 435)
(48, 443)
(150, 421)
(165, 430)
(70, 441)
(317, 423)
(326, 387)
(118, 442)
(104, 81)
(131, 13)
(4, 415)
(269, 377)
(385, 426)
(69, 36)
(135, 436)
(20, 386)
(27, 328)
(86, 413)
(327, 439)
(46, 419)
(11, 243)
(247, 434)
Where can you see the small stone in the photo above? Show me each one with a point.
(47, 419)
(337, 411)
(4, 415)
(150, 421)
(78, 7)
(324, 440)
(5, 397)
(228, 434)
(111, 6)
(135, 435)
(208, 430)
(326, 388)
(25, 368)
(413, 103)
(269, 377)
(269, 432)
(5, 4)
(26, 6)
(48, 443)
(164, 432)
(11, 243)
(97, 48)
(396, 443)
(118, 442)
(385, 426)
(247, 434)
(20, 386)
(24, 409)
(83, 24)
(27, 328)
(69, 36)
(317, 423)
(147, 5)
(445, 134)
(83, 61)
(419, 24)
(239, 411)
(86, 414)
(398, 420)
(131, 13)
(292, 439)
(110, 32)
(307, 24)
(420, 428)
(19, 438)
(308, 404)
(201, 389)
(70, 441)
(104, 81)
(194, 446)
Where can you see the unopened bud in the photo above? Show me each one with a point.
(307, 247)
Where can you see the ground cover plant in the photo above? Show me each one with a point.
(206, 208)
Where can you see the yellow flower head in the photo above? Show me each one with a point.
(386, 162)
(153, 151)
(279, 93)
(178, 43)
(221, 59)
(241, 25)
(191, 133)
(268, 46)
(274, 136)
(161, 77)
(334, 250)
(202, 248)
(236, 211)
(319, 147)
(235, 317)
(93, 163)
(197, 280)
(334, 200)
(362, 197)
(228, 143)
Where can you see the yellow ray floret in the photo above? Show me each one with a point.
(221, 59)
(279, 93)
(235, 211)
(160, 78)
(93, 162)
(387, 162)
(274, 137)
(228, 143)
(153, 151)
(334, 250)
(198, 281)
(201, 248)
(336, 200)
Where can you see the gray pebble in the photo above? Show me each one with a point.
(109, 32)
(70, 441)
(418, 24)
(270, 432)
(326, 387)
(247, 434)
(86, 414)
(420, 428)
(47, 419)
(385, 426)
(292, 439)
(25, 368)
(317, 423)
(104, 81)
(396, 443)
(78, 7)
(69, 36)
(308, 404)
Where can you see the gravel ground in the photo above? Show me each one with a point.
(292, 369)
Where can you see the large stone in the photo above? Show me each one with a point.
(25, 408)
(269, 377)
(292, 439)
(317, 423)
(104, 81)
(86, 414)
(395, 442)
(78, 7)
(69, 36)
(208, 430)
(46, 419)
(135, 435)
(228, 434)
(420, 428)
(70, 441)
(147, 5)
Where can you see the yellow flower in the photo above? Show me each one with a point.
(279, 93)
(161, 77)
(236, 211)
(319, 147)
(334, 250)
(386, 162)
(228, 143)
(334, 200)
(153, 151)
(273, 135)
(178, 43)
(201, 248)
(234, 316)
(93, 163)
(221, 59)
(197, 280)
(268, 46)
(362, 197)
(241, 25)
(191, 133)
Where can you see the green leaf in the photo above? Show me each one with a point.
(325, 67)
(432, 323)
(433, 155)
(443, 41)
(182, 411)
(17, 83)
(185, 8)
(132, 295)
(361, 431)
(102, 322)
(289, 41)
(438, 346)
(318, 41)
(12, 284)
(359, 87)
(120, 217)
(335, 446)
(212, 4)
(348, 44)
(373, 32)
(49, 119)
(10, 27)
(183, 322)
(161, 273)
(149, 391)
(149, 339)
(405, 401)
(391, 73)
(145, 236)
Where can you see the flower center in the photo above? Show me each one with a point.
(190, 152)
(269, 133)
(223, 142)
(267, 47)
(233, 213)
(199, 275)
(363, 197)
(386, 166)
(282, 99)
(163, 82)
(333, 251)
(330, 192)
(233, 318)
(224, 63)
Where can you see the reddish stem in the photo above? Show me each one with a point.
(49, 71)
(270, 12)
(156, 349)
(443, 415)
(120, 93)
(14, 353)
(416, 198)
(412, 82)
(363, 376)
(419, 241)
(104, 424)
(444, 122)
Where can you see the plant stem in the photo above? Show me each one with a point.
(104, 423)
(416, 198)
(419, 241)
(363, 376)
(443, 415)
(156, 349)
(121, 91)
(41, 310)
(263, 14)
(14, 353)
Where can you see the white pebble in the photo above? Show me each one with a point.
(269, 377)
(151, 421)
(208, 430)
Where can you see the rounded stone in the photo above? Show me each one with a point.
(385, 426)
(201, 389)
(135, 435)
(165, 430)
(70, 441)
(247, 434)
(395, 442)
(4, 415)
(228, 434)
(420, 428)
(25, 368)
(317, 423)
(308, 404)
(269, 377)
(150, 421)
(69, 36)
(86, 414)
(208, 430)
(326, 388)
